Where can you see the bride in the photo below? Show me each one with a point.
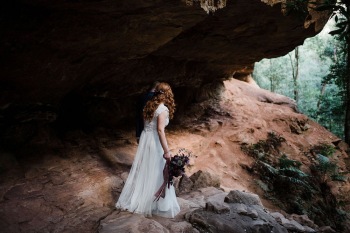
(146, 174)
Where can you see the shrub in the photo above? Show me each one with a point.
(323, 149)
(325, 169)
(264, 150)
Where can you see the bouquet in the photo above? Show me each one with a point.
(177, 164)
(174, 167)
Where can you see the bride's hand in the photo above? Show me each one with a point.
(167, 155)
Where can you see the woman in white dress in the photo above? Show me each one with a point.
(146, 174)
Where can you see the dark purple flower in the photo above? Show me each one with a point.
(178, 163)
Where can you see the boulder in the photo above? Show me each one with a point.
(185, 185)
(236, 196)
(239, 212)
(293, 225)
(202, 179)
(207, 220)
(186, 205)
(217, 207)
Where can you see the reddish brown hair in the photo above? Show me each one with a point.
(163, 94)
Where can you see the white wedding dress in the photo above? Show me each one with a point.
(146, 176)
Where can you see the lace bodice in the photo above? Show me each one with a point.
(152, 125)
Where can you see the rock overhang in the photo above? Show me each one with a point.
(88, 52)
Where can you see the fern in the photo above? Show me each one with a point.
(264, 150)
(285, 162)
(322, 159)
(294, 181)
(338, 177)
(270, 169)
(275, 140)
(293, 172)
(326, 168)
(325, 165)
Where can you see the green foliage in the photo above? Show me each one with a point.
(285, 162)
(282, 177)
(268, 171)
(293, 190)
(331, 112)
(341, 16)
(272, 74)
(321, 82)
(279, 178)
(292, 172)
(333, 101)
(339, 177)
(289, 172)
(274, 139)
(291, 177)
(286, 182)
(327, 169)
(264, 149)
(324, 165)
(323, 149)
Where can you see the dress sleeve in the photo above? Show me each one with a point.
(161, 108)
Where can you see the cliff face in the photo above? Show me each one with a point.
(64, 57)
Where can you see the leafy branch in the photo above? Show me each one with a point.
(341, 16)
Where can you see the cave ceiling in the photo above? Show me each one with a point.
(114, 49)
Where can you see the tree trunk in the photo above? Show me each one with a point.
(323, 88)
(347, 99)
(296, 74)
(272, 86)
(347, 81)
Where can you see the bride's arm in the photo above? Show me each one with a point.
(161, 133)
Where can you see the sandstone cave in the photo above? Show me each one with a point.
(72, 72)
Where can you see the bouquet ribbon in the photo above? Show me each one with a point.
(161, 191)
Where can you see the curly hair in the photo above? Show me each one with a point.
(163, 94)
